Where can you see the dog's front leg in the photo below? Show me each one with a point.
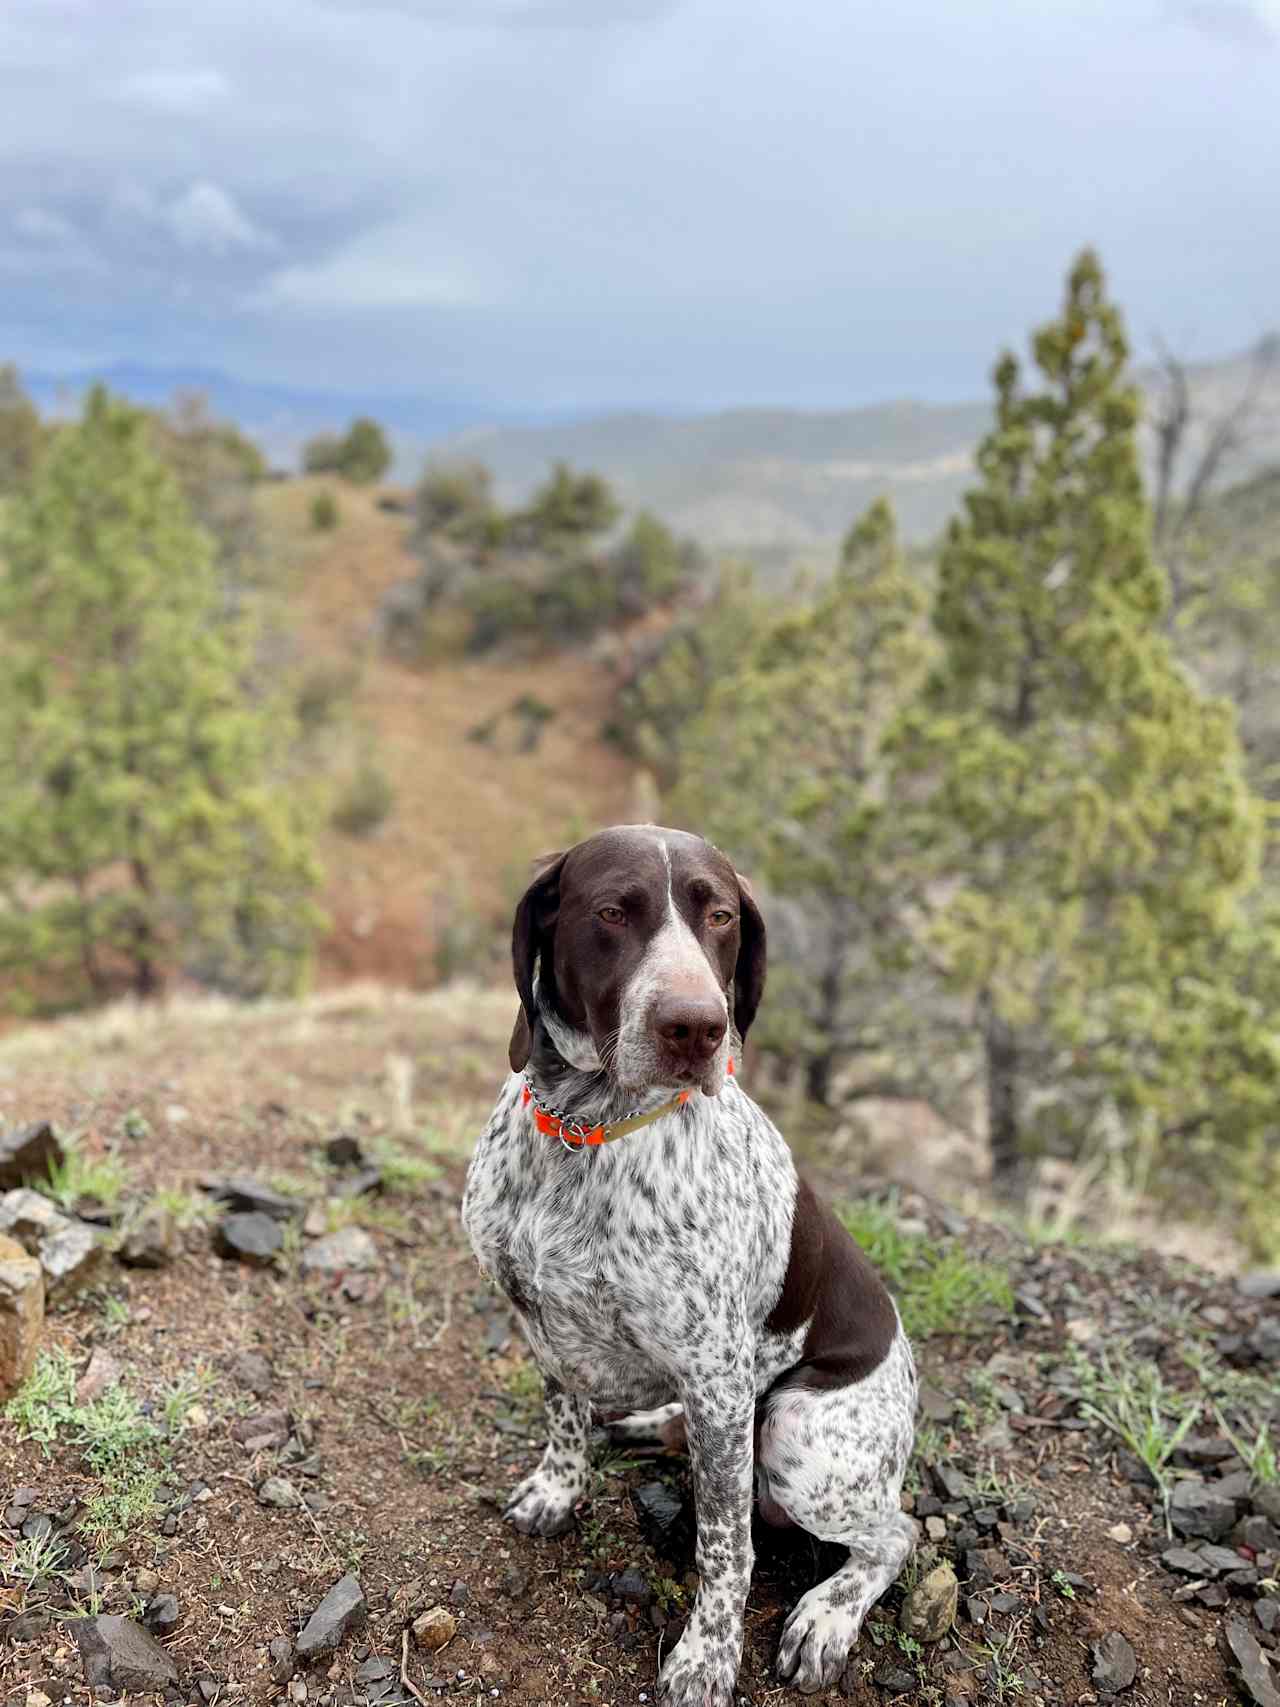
(719, 1415)
(543, 1503)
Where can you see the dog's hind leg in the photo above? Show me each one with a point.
(663, 1426)
(543, 1503)
(832, 1459)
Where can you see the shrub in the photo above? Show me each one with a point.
(365, 802)
(361, 455)
(324, 512)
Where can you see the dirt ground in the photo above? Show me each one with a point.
(411, 1409)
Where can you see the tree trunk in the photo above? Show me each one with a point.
(821, 1064)
(1004, 1102)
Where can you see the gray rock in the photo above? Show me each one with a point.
(1198, 1508)
(118, 1654)
(30, 1217)
(1257, 1533)
(161, 1613)
(343, 1609)
(1115, 1665)
(894, 1678)
(1246, 1655)
(71, 1259)
(1264, 1342)
(264, 1431)
(929, 1610)
(251, 1238)
(1217, 1561)
(70, 1252)
(278, 1492)
(1262, 1283)
(248, 1196)
(1267, 1612)
(349, 1250)
(28, 1152)
(280, 1648)
(250, 1369)
(152, 1240)
(1266, 1501)
(344, 1152)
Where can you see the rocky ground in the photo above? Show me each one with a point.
(275, 1412)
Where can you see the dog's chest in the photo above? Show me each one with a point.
(632, 1264)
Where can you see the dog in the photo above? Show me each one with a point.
(646, 1221)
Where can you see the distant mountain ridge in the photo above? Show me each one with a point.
(779, 485)
(784, 485)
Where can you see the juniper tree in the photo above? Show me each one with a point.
(786, 765)
(1082, 806)
(144, 826)
(21, 435)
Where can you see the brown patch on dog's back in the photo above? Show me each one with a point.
(831, 1285)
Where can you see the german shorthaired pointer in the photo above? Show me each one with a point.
(685, 1267)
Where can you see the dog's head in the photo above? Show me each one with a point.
(642, 952)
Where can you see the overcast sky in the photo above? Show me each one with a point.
(546, 204)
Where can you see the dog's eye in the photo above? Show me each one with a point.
(613, 915)
(721, 917)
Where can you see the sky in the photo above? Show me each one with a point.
(542, 205)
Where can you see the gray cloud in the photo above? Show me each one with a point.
(518, 14)
(1251, 23)
(716, 201)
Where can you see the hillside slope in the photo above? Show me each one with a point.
(467, 816)
(364, 1410)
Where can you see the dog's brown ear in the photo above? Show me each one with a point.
(748, 974)
(531, 932)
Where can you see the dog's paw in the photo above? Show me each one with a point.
(815, 1644)
(698, 1674)
(542, 1505)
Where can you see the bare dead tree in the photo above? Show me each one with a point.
(1190, 462)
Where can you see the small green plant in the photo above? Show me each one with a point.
(525, 1384)
(403, 1170)
(1259, 1453)
(46, 1400)
(116, 1314)
(324, 512)
(365, 802)
(1063, 1585)
(119, 1446)
(103, 1178)
(188, 1208)
(35, 1557)
(1131, 1399)
(939, 1289)
(182, 1396)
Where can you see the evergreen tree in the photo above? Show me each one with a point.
(21, 435)
(362, 454)
(144, 825)
(787, 766)
(1081, 805)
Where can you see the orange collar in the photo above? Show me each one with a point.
(576, 1133)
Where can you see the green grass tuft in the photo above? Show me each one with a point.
(123, 1449)
(104, 1178)
(939, 1289)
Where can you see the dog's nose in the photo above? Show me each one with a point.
(691, 1030)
